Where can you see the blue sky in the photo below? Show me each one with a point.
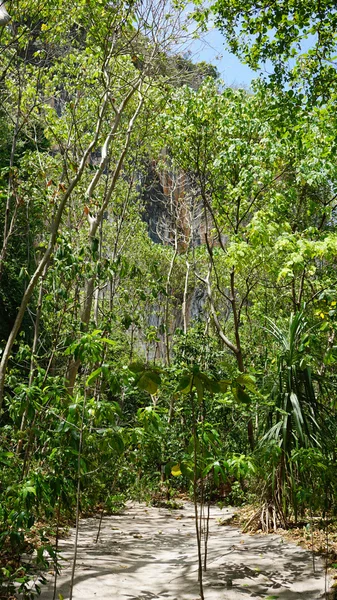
(211, 48)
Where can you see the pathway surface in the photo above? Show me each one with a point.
(149, 553)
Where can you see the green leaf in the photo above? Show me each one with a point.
(29, 489)
(240, 395)
(223, 384)
(110, 342)
(136, 367)
(186, 470)
(247, 381)
(184, 385)
(209, 384)
(154, 376)
(145, 382)
(93, 376)
(4, 456)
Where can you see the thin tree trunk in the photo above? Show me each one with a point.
(7, 238)
(56, 547)
(9, 223)
(95, 222)
(207, 534)
(195, 490)
(100, 524)
(98, 290)
(184, 306)
(96, 306)
(78, 497)
(235, 348)
(32, 360)
(167, 306)
(48, 252)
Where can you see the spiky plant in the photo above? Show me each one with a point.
(295, 419)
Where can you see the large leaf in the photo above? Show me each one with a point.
(93, 376)
(175, 470)
(208, 383)
(187, 470)
(149, 382)
(240, 395)
(223, 385)
(184, 384)
(247, 381)
(154, 376)
(297, 413)
(136, 367)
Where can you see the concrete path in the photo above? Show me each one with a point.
(149, 553)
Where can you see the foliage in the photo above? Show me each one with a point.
(279, 32)
(199, 358)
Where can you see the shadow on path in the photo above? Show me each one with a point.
(149, 553)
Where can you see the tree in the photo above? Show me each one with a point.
(262, 31)
(260, 185)
(140, 40)
(158, 230)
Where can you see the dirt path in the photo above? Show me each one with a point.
(149, 553)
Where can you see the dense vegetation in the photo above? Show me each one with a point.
(168, 267)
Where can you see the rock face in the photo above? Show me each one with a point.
(154, 204)
(4, 16)
(165, 195)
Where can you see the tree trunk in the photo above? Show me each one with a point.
(32, 360)
(184, 306)
(235, 348)
(95, 223)
(47, 255)
(167, 306)
(10, 221)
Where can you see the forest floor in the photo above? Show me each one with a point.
(149, 553)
